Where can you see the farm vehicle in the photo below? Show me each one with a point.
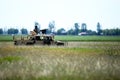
(37, 39)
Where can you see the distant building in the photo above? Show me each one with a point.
(82, 33)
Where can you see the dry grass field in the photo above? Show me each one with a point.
(76, 61)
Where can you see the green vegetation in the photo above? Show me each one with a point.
(4, 38)
(81, 61)
(88, 38)
(9, 59)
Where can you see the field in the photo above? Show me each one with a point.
(83, 58)
(88, 38)
(4, 38)
(76, 61)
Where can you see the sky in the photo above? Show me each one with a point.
(24, 13)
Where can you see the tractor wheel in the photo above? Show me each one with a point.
(15, 43)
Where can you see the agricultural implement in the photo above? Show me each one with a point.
(37, 39)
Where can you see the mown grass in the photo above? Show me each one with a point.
(88, 38)
(5, 38)
(85, 61)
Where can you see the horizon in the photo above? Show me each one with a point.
(23, 13)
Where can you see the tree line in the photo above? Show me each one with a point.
(76, 30)
(14, 31)
(82, 30)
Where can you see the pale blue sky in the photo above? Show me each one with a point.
(65, 13)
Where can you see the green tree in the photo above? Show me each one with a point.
(76, 25)
(61, 31)
(83, 27)
(51, 26)
(24, 31)
(16, 31)
(111, 31)
(99, 28)
(90, 32)
(1, 31)
(13, 31)
(71, 32)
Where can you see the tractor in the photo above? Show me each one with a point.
(37, 39)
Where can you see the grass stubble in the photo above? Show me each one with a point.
(86, 61)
